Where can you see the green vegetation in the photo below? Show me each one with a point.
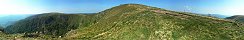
(55, 24)
(126, 22)
(238, 18)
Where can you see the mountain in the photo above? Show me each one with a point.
(238, 18)
(217, 15)
(127, 22)
(9, 19)
(55, 24)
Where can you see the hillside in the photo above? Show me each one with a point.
(238, 18)
(133, 21)
(55, 24)
(130, 22)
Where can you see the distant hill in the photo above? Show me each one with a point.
(9, 19)
(238, 18)
(128, 22)
(218, 15)
(215, 15)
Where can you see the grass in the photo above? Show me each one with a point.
(140, 22)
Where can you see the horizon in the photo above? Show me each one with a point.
(221, 7)
(122, 20)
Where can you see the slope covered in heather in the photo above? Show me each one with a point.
(130, 22)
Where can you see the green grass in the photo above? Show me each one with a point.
(140, 22)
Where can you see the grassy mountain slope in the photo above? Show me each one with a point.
(132, 22)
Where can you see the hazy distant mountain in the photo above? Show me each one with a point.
(126, 22)
(9, 19)
(219, 15)
(216, 15)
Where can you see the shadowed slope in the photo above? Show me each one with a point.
(49, 23)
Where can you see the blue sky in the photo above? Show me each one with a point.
(223, 7)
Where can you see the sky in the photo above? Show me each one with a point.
(223, 7)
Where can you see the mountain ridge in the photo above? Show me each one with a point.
(237, 18)
(133, 22)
